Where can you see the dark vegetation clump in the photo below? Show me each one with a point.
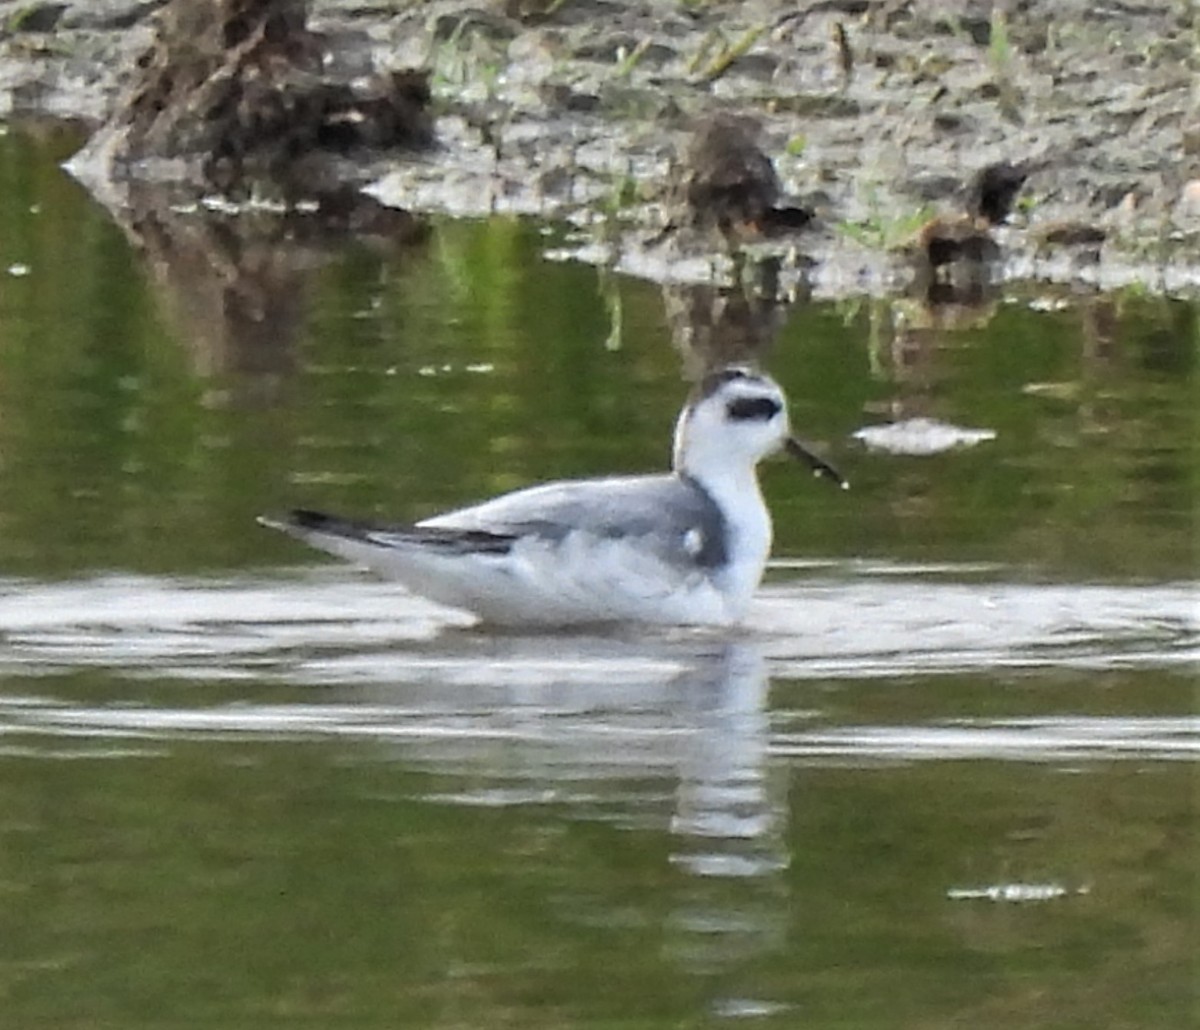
(993, 190)
(239, 87)
(728, 182)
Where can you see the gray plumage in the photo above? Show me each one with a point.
(672, 516)
(687, 547)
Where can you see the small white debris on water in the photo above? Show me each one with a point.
(17, 270)
(1014, 892)
(746, 1008)
(920, 437)
(1049, 304)
(1056, 391)
(480, 368)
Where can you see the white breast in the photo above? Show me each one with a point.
(748, 537)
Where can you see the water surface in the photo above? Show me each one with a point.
(945, 775)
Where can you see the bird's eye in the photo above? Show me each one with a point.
(752, 408)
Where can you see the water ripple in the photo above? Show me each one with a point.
(332, 627)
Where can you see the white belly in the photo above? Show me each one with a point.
(581, 579)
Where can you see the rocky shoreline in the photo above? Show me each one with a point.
(875, 115)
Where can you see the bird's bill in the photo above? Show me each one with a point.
(820, 467)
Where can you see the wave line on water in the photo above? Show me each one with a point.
(331, 627)
(1027, 739)
(613, 737)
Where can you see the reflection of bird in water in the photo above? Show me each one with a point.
(726, 182)
(660, 733)
(721, 792)
(712, 326)
(728, 827)
(686, 547)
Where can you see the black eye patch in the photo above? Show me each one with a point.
(746, 408)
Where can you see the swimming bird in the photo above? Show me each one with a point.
(686, 547)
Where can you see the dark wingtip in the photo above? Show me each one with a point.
(298, 518)
(306, 518)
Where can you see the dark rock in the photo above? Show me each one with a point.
(757, 67)
(37, 18)
(993, 189)
(816, 105)
(574, 12)
(562, 97)
(110, 14)
(488, 25)
(635, 101)
(978, 28)
(366, 11)
(1110, 194)
(852, 7)
(949, 121)
(934, 186)
(787, 219)
(1070, 234)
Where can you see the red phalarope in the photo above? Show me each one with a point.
(687, 547)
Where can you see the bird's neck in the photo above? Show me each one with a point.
(725, 481)
(734, 489)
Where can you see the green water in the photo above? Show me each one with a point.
(947, 778)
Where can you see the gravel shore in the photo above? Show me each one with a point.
(874, 113)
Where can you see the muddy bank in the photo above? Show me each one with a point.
(874, 114)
